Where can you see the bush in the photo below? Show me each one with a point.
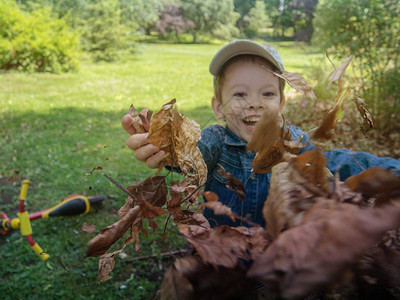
(368, 29)
(35, 42)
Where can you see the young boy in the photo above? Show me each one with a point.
(244, 89)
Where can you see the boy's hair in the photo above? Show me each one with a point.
(242, 49)
(219, 79)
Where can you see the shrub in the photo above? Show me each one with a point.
(35, 42)
(368, 29)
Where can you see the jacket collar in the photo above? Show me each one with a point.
(232, 139)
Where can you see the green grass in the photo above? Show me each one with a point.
(54, 129)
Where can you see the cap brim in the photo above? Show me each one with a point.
(239, 47)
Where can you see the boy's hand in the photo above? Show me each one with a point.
(138, 142)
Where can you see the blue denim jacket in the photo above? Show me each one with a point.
(221, 145)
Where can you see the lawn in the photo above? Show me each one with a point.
(55, 129)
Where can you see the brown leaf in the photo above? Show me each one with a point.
(326, 130)
(296, 81)
(220, 209)
(368, 123)
(141, 122)
(220, 246)
(201, 225)
(311, 165)
(174, 203)
(106, 265)
(88, 228)
(149, 211)
(104, 240)
(288, 199)
(189, 278)
(233, 183)
(153, 190)
(177, 136)
(268, 157)
(375, 182)
(210, 196)
(338, 73)
(309, 257)
(266, 132)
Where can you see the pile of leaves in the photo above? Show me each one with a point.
(322, 235)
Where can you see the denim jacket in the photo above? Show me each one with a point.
(220, 145)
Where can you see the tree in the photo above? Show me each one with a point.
(303, 14)
(145, 13)
(370, 30)
(103, 35)
(172, 21)
(257, 19)
(216, 18)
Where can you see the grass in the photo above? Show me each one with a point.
(55, 129)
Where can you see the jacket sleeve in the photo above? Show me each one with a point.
(346, 162)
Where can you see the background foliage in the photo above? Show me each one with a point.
(35, 41)
(369, 30)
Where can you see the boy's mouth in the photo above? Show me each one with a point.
(250, 122)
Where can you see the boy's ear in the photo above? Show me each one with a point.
(282, 103)
(217, 107)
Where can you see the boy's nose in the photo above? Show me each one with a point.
(255, 103)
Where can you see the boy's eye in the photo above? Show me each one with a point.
(239, 94)
(268, 94)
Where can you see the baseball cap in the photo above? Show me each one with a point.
(240, 47)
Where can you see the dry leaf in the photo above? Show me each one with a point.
(338, 73)
(233, 183)
(106, 265)
(279, 152)
(141, 122)
(177, 137)
(88, 228)
(326, 130)
(221, 246)
(310, 257)
(218, 207)
(375, 182)
(368, 123)
(311, 165)
(189, 278)
(104, 240)
(296, 81)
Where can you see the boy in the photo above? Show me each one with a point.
(244, 88)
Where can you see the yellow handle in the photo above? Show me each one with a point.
(25, 223)
(24, 189)
(40, 252)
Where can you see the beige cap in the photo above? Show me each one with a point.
(240, 47)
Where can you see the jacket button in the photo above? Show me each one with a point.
(253, 176)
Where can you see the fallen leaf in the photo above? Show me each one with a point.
(88, 228)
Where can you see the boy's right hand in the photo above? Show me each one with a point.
(138, 142)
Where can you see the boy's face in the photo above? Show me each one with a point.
(247, 91)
